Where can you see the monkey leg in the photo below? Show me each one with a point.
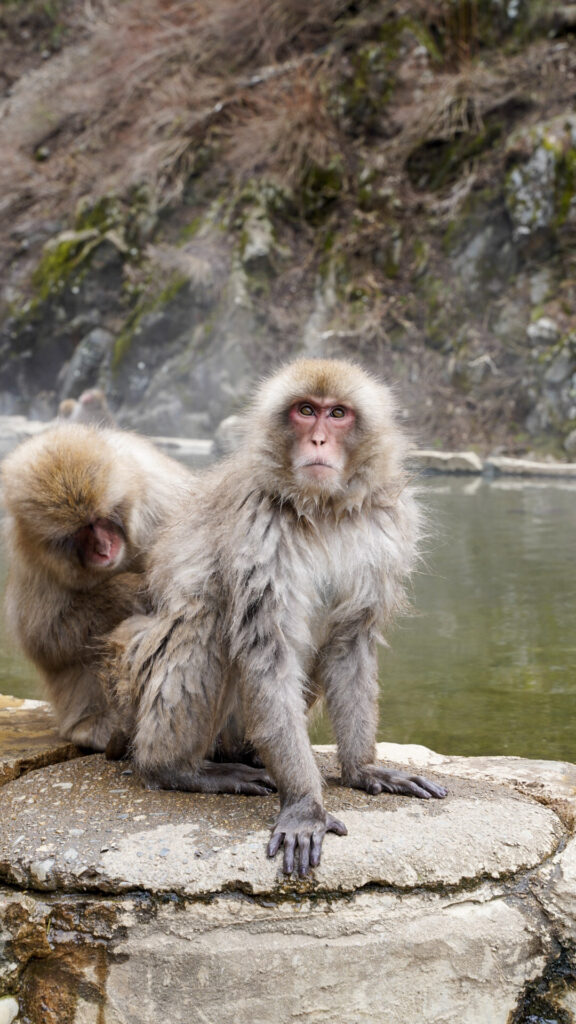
(82, 712)
(348, 666)
(232, 745)
(184, 701)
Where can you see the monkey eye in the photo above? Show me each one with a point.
(306, 409)
(338, 412)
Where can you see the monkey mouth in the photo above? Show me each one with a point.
(318, 463)
(319, 472)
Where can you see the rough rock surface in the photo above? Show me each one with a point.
(525, 467)
(125, 906)
(28, 738)
(448, 462)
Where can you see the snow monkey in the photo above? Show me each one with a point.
(83, 507)
(91, 407)
(271, 588)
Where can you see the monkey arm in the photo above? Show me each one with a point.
(349, 672)
(275, 715)
(83, 714)
(62, 633)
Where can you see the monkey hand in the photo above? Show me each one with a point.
(302, 826)
(375, 779)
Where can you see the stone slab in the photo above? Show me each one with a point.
(89, 824)
(195, 452)
(28, 738)
(374, 960)
(136, 907)
(551, 782)
(377, 957)
(433, 461)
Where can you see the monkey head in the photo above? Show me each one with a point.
(67, 408)
(326, 431)
(67, 505)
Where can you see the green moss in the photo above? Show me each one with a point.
(271, 196)
(436, 163)
(421, 256)
(66, 258)
(149, 304)
(565, 192)
(189, 231)
(102, 215)
(320, 188)
(63, 261)
(364, 93)
(438, 318)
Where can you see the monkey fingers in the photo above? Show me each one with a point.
(300, 828)
(376, 780)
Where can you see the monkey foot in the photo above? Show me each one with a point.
(117, 746)
(211, 777)
(301, 828)
(376, 780)
(238, 778)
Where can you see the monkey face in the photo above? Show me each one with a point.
(100, 545)
(320, 427)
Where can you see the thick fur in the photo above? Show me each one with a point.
(58, 608)
(271, 590)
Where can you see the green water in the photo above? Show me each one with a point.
(487, 662)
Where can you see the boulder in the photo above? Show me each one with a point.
(501, 465)
(448, 462)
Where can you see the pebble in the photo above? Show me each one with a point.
(8, 1010)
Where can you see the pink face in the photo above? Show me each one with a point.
(100, 545)
(320, 426)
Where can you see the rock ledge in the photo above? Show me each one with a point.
(122, 905)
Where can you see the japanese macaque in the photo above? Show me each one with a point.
(92, 407)
(271, 586)
(84, 506)
(67, 408)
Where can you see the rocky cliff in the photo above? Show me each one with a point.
(191, 194)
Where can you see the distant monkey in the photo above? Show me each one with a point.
(84, 506)
(66, 408)
(271, 584)
(92, 407)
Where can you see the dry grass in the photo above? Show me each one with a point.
(135, 99)
(289, 133)
(153, 91)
